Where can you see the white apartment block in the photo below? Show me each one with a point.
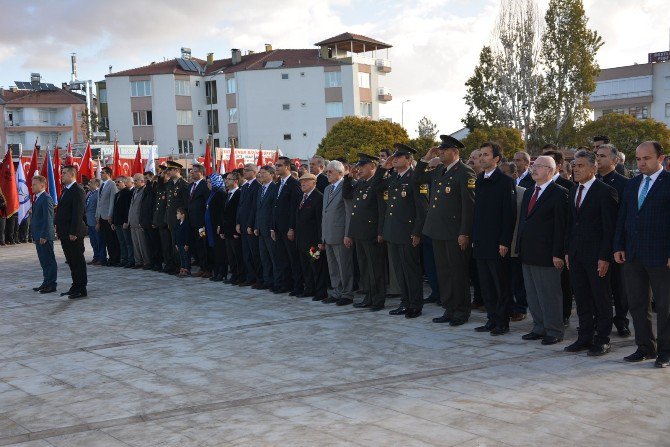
(642, 90)
(286, 99)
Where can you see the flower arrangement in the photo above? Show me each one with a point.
(314, 253)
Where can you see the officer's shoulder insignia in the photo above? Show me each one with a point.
(471, 183)
(423, 189)
(386, 195)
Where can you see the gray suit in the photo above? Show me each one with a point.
(140, 245)
(334, 225)
(106, 200)
(106, 194)
(91, 208)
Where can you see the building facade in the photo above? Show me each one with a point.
(286, 98)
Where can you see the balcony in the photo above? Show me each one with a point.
(384, 94)
(383, 65)
(18, 124)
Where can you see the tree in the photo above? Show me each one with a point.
(353, 134)
(422, 145)
(427, 129)
(481, 95)
(509, 139)
(626, 132)
(568, 55)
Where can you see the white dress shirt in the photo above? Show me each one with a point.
(586, 186)
(653, 177)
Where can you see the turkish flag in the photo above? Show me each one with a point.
(86, 167)
(137, 164)
(69, 161)
(8, 186)
(208, 159)
(259, 162)
(57, 166)
(117, 169)
(32, 169)
(232, 162)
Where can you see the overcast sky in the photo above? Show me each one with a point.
(435, 42)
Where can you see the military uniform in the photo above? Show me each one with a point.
(406, 206)
(364, 229)
(176, 196)
(159, 220)
(450, 214)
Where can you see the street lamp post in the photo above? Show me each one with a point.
(402, 112)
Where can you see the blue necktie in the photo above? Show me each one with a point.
(265, 188)
(643, 193)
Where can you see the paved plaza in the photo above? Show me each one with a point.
(152, 360)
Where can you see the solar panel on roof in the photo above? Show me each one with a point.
(274, 64)
(188, 65)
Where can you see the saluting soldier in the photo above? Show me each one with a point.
(406, 207)
(159, 221)
(449, 223)
(176, 196)
(365, 232)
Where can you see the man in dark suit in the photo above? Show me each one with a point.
(120, 219)
(607, 156)
(42, 226)
(492, 230)
(522, 162)
(229, 229)
(542, 250)
(405, 214)
(449, 225)
(70, 229)
(317, 164)
(286, 203)
(591, 222)
(308, 236)
(619, 167)
(197, 202)
(262, 225)
(245, 226)
(642, 246)
(365, 232)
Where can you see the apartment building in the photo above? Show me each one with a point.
(277, 98)
(31, 110)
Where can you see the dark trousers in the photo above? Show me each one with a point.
(268, 255)
(453, 274)
(566, 290)
(184, 258)
(314, 272)
(219, 257)
(97, 244)
(592, 296)
(24, 226)
(371, 260)
(289, 263)
(174, 252)
(74, 255)
(474, 281)
(167, 248)
(45, 254)
(125, 245)
(618, 285)
(641, 283)
(154, 242)
(199, 250)
(252, 257)
(111, 242)
(406, 261)
(11, 230)
(429, 266)
(518, 287)
(3, 224)
(494, 277)
(235, 261)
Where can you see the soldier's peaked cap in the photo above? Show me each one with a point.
(403, 149)
(173, 164)
(449, 142)
(365, 158)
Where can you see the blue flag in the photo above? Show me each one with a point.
(51, 181)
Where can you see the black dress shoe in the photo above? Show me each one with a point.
(488, 327)
(443, 319)
(37, 289)
(280, 290)
(307, 295)
(77, 295)
(362, 305)
(377, 308)
(48, 289)
(318, 298)
(531, 336)
(550, 340)
(639, 356)
(598, 350)
(499, 331)
(412, 313)
(330, 300)
(578, 346)
(430, 299)
(69, 292)
(623, 331)
(295, 293)
(216, 278)
(341, 301)
(662, 361)
(457, 322)
(401, 310)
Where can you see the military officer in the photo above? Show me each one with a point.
(176, 196)
(406, 206)
(159, 221)
(364, 231)
(448, 224)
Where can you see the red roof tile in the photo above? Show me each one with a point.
(291, 58)
(166, 67)
(346, 37)
(58, 96)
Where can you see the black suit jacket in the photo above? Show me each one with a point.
(264, 209)
(247, 206)
(286, 203)
(197, 203)
(527, 181)
(564, 183)
(308, 221)
(541, 235)
(215, 209)
(121, 206)
(616, 181)
(494, 215)
(230, 214)
(590, 230)
(69, 218)
(322, 182)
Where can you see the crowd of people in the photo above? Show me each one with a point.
(524, 235)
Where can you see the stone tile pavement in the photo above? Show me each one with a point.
(152, 360)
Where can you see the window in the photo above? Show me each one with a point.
(287, 136)
(231, 85)
(333, 79)
(366, 109)
(182, 88)
(140, 88)
(364, 80)
(213, 123)
(184, 117)
(210, 92)
(44, 115)
(284, 75)
(232, 115)
(216, 142)
(104, 123)
(79, 114)
(304, 134)
(102, 96)
(667, 109)
(333, 110)
(142, 118)
(286, 106)
(185, 146)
